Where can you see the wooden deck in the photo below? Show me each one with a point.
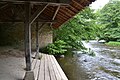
(47, 68)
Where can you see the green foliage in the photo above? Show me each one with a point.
(80, 27)
(88, 24)
(58, 47)
(109, 21)
(88, 51)
(112, 43)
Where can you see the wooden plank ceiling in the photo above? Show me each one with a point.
(55, 13)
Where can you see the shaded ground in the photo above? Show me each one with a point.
(12, 64)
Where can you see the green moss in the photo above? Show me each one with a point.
(113, 43)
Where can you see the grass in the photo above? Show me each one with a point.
(113, 43)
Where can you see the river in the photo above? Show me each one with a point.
(105, 65)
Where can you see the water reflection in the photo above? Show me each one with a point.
(72, 68)
(104, 66)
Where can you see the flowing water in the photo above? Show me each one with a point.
(104, 66)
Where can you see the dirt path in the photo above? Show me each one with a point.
(12, 64)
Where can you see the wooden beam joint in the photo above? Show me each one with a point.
(37, 13)
(55, 14)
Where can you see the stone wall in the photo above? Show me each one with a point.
(13, 35)
(46, 36)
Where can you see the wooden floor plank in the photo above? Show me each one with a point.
(41, 72)
(47, 68)
(51, 69)
(62, 74)
(36, 69)
(47, 75)
(57, 75)
(33, 63)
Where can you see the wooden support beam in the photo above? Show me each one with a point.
(37, 38)
(27, 36)
(58, 1)
(55, 14)
(6, 4)
(61, 17)
(49, 12)
(37, 13)
(40, 21)
(47, 21)
(38, 29)
(37, 2)
(20, 12)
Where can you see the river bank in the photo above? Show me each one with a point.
(113, 43)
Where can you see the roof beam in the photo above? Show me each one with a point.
(37, 13)
(65, 16)
(55, 14)
(61, 17)
(77, 4)
(68, 10)
(47, 21)
(6, 4)
(40, 21)
(66, 13)
(33, 2)
(41, 26)
(48, 13)
(86, 3)
(58, 1)
(73, 9)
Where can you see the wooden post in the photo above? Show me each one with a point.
(37, 38)
(27, 36)
(38, 30)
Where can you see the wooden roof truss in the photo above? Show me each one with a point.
(54, 12)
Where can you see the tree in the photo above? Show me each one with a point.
(81, 27)
(109, 19)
